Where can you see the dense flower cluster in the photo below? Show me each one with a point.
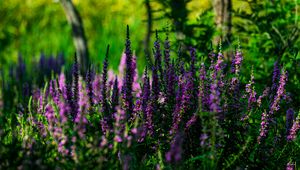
(177, 113)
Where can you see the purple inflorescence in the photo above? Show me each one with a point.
(238, 61)
(280, 92)
(266, 117)
(75, 88)
(119, 126)
(276, 75)
(214, 98)
(115, 96)
(89, 84)
(167, 52)
(290, 166)
(145, 92)
(251, 91)
(292, 134)
(157, 56)
(175, 152)
(265, 94)
(263, 127)
(128, 79)
(289, 119)
(219, 64)
(104, 103)
(176, 111)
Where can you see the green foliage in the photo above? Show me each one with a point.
(269, 31)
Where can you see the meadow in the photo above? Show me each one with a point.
(187, 94)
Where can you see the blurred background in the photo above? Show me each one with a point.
(267, 31)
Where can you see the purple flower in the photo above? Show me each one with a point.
(212, 57)
(145, 96)
(219, 64)
(69, 96)
(167, 52)
(80, 119)
(83, 102)
(96, 89)
(136, 86)
(202, 72)
(49, 113)
(155, 86)
(290, 166)
(293, 131)
(263, 127)
(152, 103)
(238, 61)
(149, 119)
(279, 93)
(145, 92)
(119, 125)
(203, 139)
(89, 84)
(104, 126)
(187, 92)
(266, 118)
(128, 79)
(193, 79)
(183, 101)
(251, 91)
(75, 93)
(115, 96)
(122, 65)
(275, 78)
(265, 94)
(176, 114)
(191, 121)
(175, 152)
(289, 119)
(53, 91)
(202, 87)
(62, 85)
(214, 98)
(157, 56)
(104, 103)
(171, 84)
(63, 110)
(104, 141)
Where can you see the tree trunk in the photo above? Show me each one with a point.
(223, 22)
(79, 38)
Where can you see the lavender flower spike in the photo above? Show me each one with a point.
(128, 79)
(89, 83)
(251, 91)
(158, 55)
(75, 106)
(104, 103)
(115, 96)
(280, 92)
(214, 97)
(275, 78)
(263, 127)
(289, 119)
(293, 131)
(167, 52)
(238, 61)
